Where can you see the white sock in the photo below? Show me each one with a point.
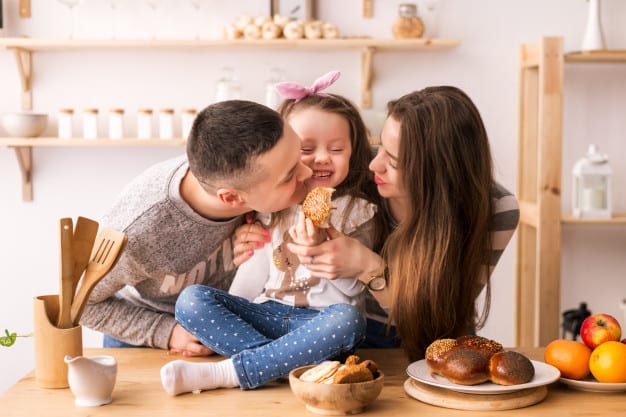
(181, 376)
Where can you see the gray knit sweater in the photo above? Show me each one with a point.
(170, 247)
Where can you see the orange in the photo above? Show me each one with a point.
(608, 362)
(568, 356)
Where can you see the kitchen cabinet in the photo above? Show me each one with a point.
(23, 49)
(539, 187)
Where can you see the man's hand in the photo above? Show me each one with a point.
(187, 344)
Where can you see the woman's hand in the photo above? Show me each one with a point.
(248, 237)
(339, 257)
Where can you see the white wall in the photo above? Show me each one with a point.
(80, 181)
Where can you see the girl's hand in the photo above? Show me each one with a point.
(305, 233)
(247, 238)
(339, 257)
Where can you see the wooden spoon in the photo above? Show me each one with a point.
(64, 321)
(85, 234)
(106, 250)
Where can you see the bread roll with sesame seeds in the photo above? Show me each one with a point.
(317, 206)
(481, 344)
(437, 351)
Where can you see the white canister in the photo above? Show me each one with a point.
(166, 124)
(187, 118)
(116, 124)
(144, 124)
(90, 123)
(65, 123)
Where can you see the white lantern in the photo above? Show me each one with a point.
(592, 188)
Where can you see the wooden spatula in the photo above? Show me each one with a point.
(85, 233)
(106, 250)
(64, 321)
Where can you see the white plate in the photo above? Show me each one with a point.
(593, 386)
(544, 374)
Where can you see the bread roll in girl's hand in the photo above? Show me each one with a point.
(317, 206)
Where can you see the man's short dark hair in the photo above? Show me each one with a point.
(226, 136)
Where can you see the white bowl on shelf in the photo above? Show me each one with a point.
(24, 124)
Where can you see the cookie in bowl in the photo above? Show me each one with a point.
(330, 388)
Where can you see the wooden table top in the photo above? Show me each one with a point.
(138, 392)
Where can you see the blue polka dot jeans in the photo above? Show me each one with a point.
(267, 340)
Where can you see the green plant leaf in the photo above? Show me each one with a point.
(9, 339)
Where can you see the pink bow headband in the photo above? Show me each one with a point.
(295, 91)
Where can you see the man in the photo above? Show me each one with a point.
(180, 216)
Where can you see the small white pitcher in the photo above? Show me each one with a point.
(91, 379)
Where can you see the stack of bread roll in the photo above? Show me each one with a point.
(471, 360)
(267, 27)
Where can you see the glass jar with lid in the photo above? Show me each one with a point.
(272, 98)
(227, 87)
(408, 24)
(592, 193)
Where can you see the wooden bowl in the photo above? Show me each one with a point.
(24, 124)
(334, 399)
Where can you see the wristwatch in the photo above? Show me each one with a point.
(377, 281)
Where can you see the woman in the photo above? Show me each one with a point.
(449, 218)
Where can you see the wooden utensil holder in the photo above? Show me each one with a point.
(52, 343)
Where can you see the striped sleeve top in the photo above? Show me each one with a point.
(503, 224)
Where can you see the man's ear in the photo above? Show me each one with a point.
(231, 197)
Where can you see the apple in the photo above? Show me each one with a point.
(599, 328)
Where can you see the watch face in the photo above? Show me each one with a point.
(377, 283)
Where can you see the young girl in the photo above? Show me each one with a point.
(296, 320)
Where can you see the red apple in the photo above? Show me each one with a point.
(599, 328)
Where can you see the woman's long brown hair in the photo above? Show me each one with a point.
(439, 253)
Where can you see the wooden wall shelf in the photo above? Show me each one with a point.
(538, 263)
(24, 47)
(24, 154)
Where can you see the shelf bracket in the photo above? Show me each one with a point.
(24, 156)
(24, 8)
(368, 8)
(24, 60)
(366, 77)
